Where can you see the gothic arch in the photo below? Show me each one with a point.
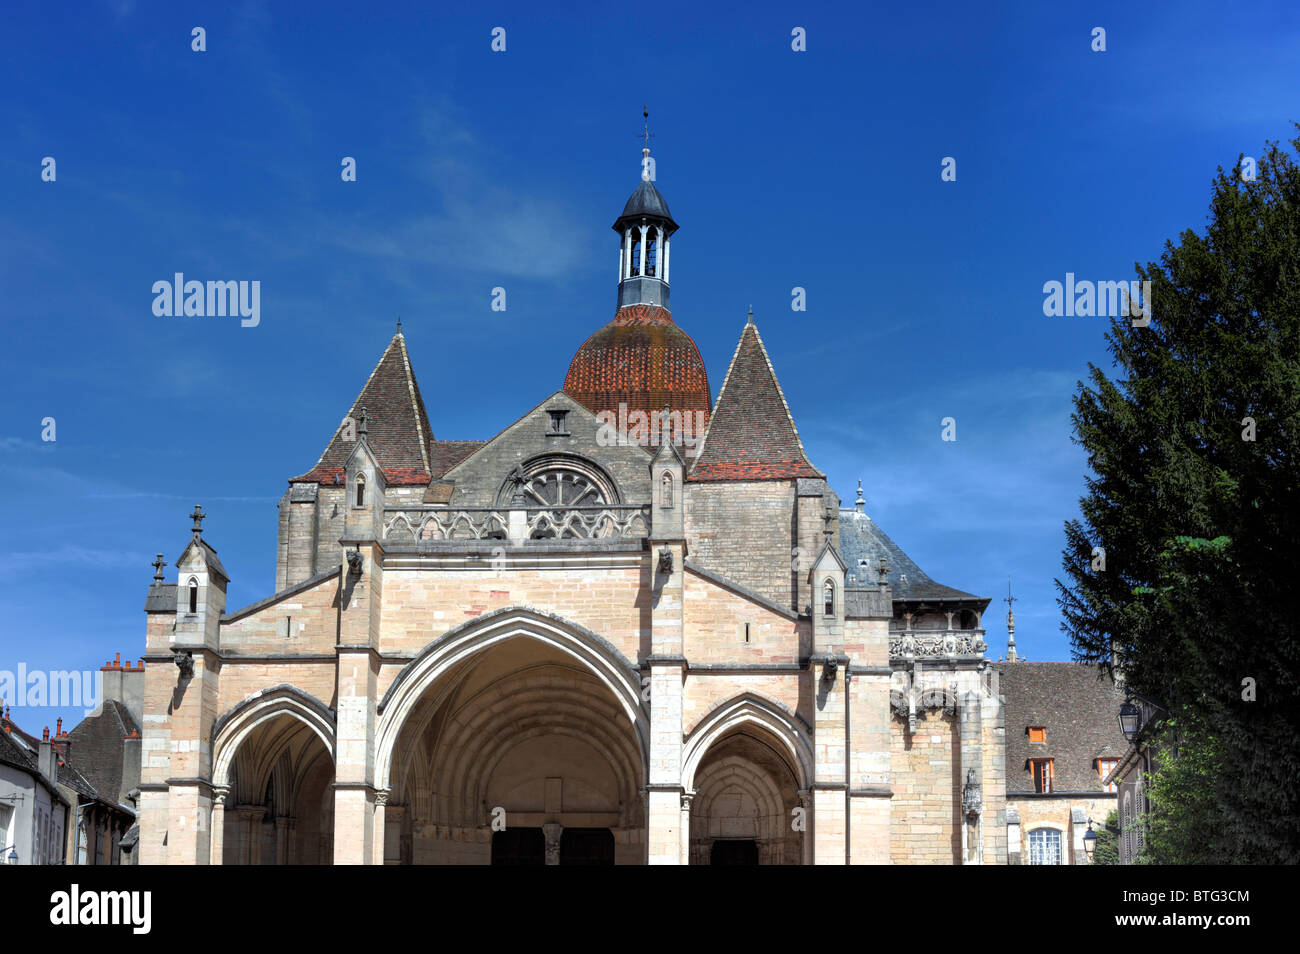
(421, 674)
(232, 729)
(749, 709)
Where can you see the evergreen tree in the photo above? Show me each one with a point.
(1185, 566)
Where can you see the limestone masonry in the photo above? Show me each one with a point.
(552, 648)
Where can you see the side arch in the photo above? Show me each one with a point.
(230, 731)
(601, 658)
(749, 709)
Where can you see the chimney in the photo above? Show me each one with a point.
(60, 743)
(48, 761)
(124, 683)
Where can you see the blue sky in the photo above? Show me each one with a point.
(476, 169)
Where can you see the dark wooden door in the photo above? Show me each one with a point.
(519, 846)
(734, 852)
(587, 846)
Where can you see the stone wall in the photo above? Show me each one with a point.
(745, 531)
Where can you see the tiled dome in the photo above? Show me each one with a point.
(641, 359)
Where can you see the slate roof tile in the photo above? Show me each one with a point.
(751, 435)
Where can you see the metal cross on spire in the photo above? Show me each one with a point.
(646, 134)
(1009, 599)
(158, 564)
(198, 516)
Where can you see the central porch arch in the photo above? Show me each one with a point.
(518, 713)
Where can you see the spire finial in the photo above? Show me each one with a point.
(751, 315)
(399, 324)
(197, 516)
(646, 136)
(1011, 624)
(361, 422)
(158, 564)
(860, 505)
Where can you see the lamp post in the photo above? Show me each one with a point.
(13, 854)
(1130, 720)
(1090, 837)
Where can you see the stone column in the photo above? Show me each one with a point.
(250, 824)
(380, 826)
(687, 798)
(283, 830)
(354, 794)
(830, 785)
(806, 835)
(972, 776)
(552, 831)
(219, 795)
(667, 673)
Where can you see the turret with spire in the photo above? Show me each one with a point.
(644, 229)
(1011, 625)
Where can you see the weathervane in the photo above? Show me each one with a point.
(646, 134)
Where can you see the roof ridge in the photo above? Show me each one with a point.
(386, 399)
(417, 400)
(339, 430)
(779, 390)
(713, 418)
(783, 458)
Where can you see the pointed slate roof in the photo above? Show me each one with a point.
(397, 425)
(751, 435)
(209, 556)
(862, 539)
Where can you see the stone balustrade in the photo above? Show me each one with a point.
(605, 521)
(937, 644)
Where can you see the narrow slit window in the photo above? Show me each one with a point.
(828, 598)
(361, 490)
(194, 595)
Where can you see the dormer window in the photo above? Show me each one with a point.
(666, 492)
(828, 597)
(194, 595)
(361, 490)
(558, 416)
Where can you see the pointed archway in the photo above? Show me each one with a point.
(517, 722)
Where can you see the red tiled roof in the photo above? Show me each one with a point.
(751, 435)
(641, 359)
(397, 425)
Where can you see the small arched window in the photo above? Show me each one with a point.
(666, 493)
(361, 490)
(194, 595)
(828, 597)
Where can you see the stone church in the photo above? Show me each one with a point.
(634, 626)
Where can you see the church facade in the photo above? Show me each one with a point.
(635, 626)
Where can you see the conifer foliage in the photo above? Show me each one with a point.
(1185, 567)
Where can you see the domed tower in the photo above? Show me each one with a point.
(642, 362)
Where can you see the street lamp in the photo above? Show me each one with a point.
(1130, 720)
(13, 854)
(1089, 841)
